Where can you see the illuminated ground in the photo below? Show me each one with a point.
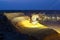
(53, 25)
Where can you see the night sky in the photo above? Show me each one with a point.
(29, 4)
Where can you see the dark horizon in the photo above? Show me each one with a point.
(32, 11)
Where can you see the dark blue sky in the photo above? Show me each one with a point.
(29, 4)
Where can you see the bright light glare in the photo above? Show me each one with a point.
(27, 24)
